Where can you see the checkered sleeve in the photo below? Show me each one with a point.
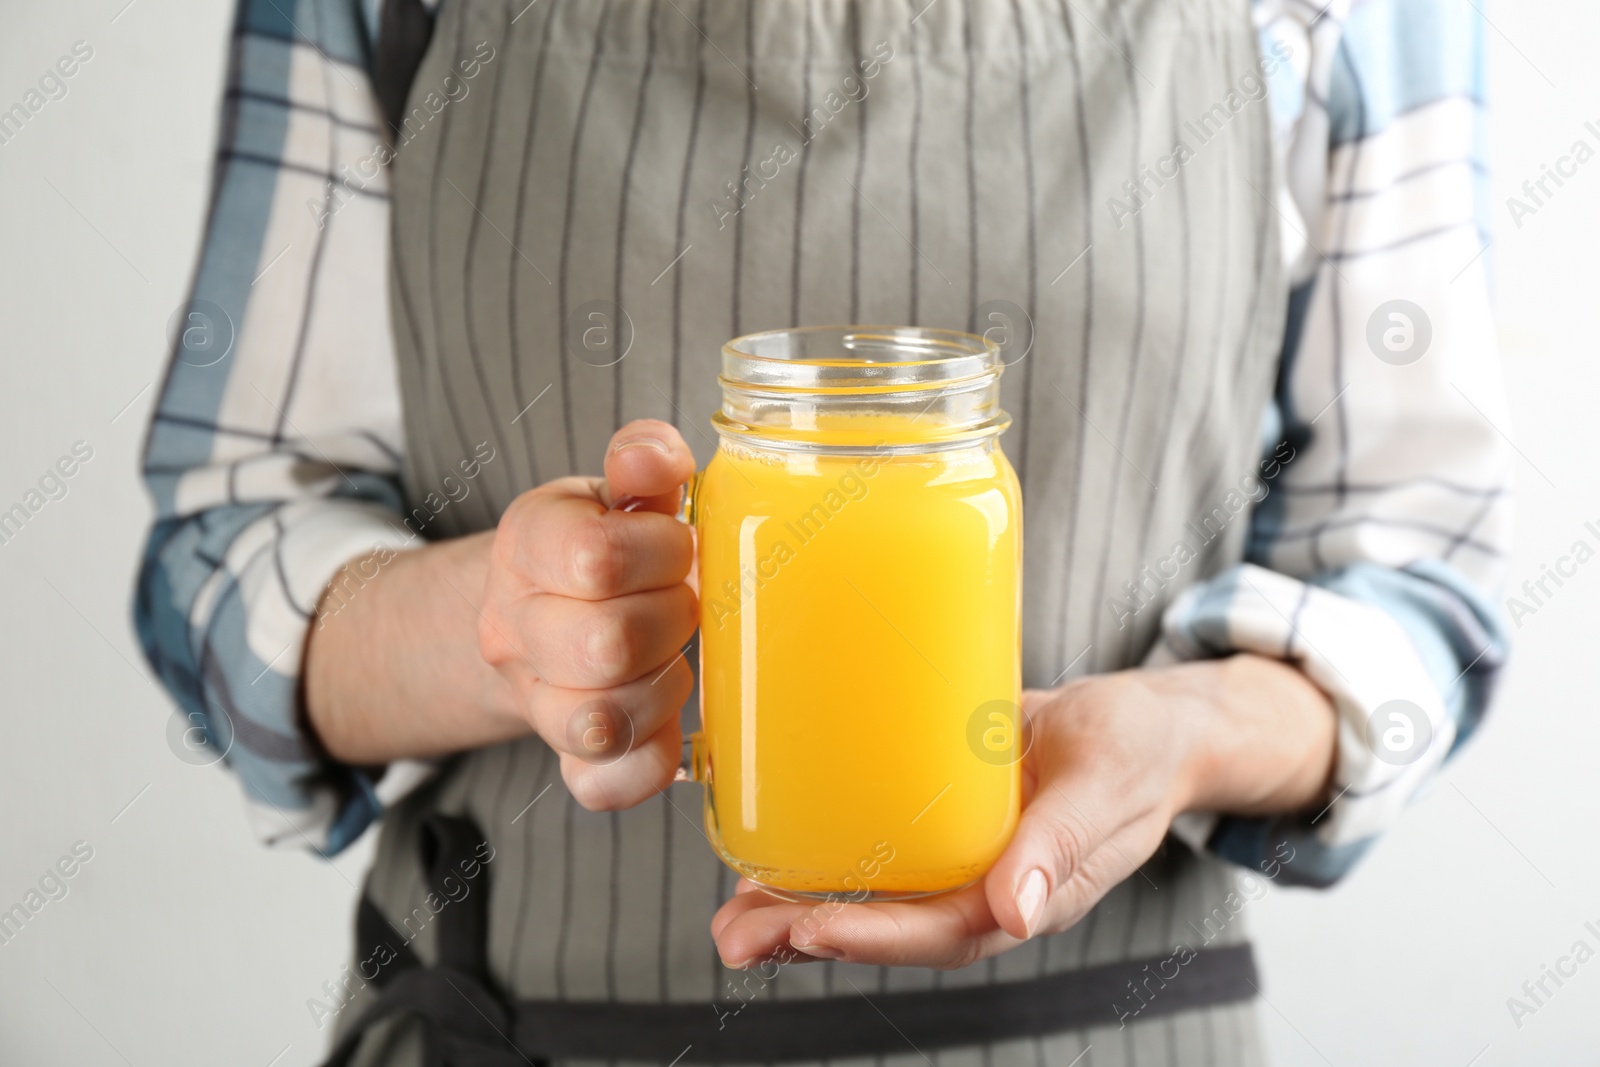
(273, 452)
(1376, 555)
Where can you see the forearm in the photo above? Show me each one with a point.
(1262, 740)
(393, 669)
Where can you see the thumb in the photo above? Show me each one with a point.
(648, 459)
(1046, 850)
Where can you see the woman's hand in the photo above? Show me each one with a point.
(1113, 758)
(586, 611)
(566, 621)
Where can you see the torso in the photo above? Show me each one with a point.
(963, 174)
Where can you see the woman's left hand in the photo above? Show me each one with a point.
(1113, 759)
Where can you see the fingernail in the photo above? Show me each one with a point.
(821, 952)
(642, 442)
(1030, 899)
(742, 965)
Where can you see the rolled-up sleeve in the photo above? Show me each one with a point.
(1376, 557)
(273, 453)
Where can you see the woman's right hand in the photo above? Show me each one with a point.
(586, 611)
(568, 620)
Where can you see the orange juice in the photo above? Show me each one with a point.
(860, 624)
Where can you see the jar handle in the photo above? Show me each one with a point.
(696, 767)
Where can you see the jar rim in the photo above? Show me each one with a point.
(779, 360)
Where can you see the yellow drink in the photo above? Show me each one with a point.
(860, 624)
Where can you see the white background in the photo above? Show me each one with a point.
(183, 942)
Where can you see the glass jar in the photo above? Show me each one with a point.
(860, 551)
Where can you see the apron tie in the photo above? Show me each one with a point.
(466, 1021)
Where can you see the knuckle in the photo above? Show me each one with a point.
(1071, 844)
(596, 560)
(598, 729)
(965, 955)
(515, 513)
(517, 517)
(608, 645)
(492, 644)
(488, 642)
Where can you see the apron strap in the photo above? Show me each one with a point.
(449, 848)
(404, 29)
(465, 1021)
(373, 929)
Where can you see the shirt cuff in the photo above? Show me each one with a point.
(225, 609)
(1394, 725)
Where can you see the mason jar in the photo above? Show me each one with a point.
(860, 549)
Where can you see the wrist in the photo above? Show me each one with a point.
(394, 671)
(1193, 696)
(1263, 737)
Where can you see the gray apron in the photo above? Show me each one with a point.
(690, 170)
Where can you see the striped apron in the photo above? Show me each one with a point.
(691, 170)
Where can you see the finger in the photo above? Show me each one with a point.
(579, 644)
(1042, 857)
(561, 539)
(648, 458)
(603, 726)
(636, 777)
(945, 932)
(1079, 837)
(1048, 845)
(745, 897)
(754, 926)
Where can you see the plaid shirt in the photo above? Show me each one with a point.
(1373, 555)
